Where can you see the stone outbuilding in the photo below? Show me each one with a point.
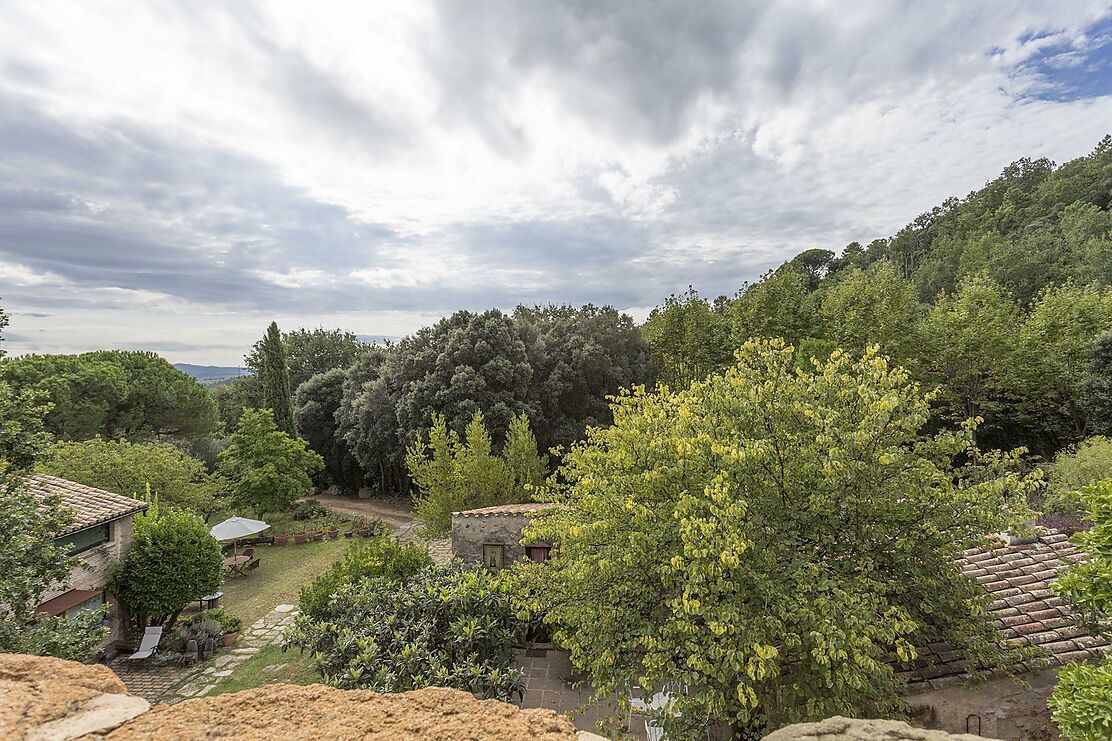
(99, 536)
(1019, 578)
(493, 535)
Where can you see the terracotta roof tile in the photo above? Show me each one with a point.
(1018, 579)
(90, 506)
(506, 509)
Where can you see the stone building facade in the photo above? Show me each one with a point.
(99, 537)
(493, 535)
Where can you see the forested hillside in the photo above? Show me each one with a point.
(996, 300)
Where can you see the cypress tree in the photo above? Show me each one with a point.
(276, 380)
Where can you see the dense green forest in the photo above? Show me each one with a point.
(997, 301)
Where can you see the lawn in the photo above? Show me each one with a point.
(282, 572)
(270, 666)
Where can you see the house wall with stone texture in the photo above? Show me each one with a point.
(1001, 708)
(471, 532)
(93, 570)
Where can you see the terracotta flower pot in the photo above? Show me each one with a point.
(300, 539)
(364, 532)
(349, 533)
(318, 535)
(281, 539)
(229, 638)
(334, 533)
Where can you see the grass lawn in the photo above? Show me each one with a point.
(283, 571)
(270, 666)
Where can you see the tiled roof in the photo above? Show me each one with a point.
(1025, 608)
(91, 506)
(506, 509)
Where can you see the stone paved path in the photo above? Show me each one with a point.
(166, 681)
(395, 514)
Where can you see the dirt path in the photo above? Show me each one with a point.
(397, 513)
(394, 512)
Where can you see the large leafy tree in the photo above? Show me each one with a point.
(781, 304)
(770, 539)
(968, 349)
(872, 306)
(1096, 386)
(309, 352)
(131, 468)
(1055, 342)
(275, 378)
(173, 562)
(137, 395)
(267, 469)
(689, 337)
(368, 422)
(31, 560)
(235, 395)
(579, 357)
(315, 405)
(1080, 703)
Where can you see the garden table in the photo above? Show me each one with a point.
(235, 564)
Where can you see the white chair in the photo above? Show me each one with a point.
(653, 732)
(148, 646)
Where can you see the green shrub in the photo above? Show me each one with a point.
(447, 626)
(1073, 470)
(310, 509)
(382, 557)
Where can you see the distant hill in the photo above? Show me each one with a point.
(210, 373)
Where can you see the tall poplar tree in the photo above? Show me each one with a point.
(277, 394)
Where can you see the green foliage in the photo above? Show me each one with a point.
(1080, 702)
(173, 561)
(579, 357)
(136, 395)
(872, 306)
(771, 538)
(1096, 386)
(130, 468)
(689, 337)
(968, 345)
(77, 638)
(315, 405)
(309, 352)
(781, 304)
(275, 377)
(445, 626)
(1072, 470)
(381, 557)
(266, 468)
(453, 473)
(232, 397)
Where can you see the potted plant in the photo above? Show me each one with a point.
(364, 532)
(281, 539)
(300, 537)
(349, 533)
(318, 535)
(231, 625)
(334, 533)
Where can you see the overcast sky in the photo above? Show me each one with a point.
(175, 175)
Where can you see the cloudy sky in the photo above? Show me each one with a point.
(175, 175)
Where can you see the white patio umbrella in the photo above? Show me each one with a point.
(235, 528)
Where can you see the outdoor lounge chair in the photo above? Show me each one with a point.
(148, 646)
(248, 552)
(252, 565)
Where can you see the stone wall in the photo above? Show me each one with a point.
(1001, 708)
(471, 532)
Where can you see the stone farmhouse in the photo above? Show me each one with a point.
(1018, 576)
(99, 536)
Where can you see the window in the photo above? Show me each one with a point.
(538, 553)
(94, 603)
(494, 556)
(83, 540)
